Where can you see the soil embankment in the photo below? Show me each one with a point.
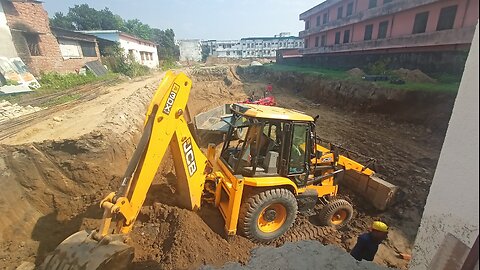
(428, 108)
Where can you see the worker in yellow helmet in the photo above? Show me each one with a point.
(367, 243)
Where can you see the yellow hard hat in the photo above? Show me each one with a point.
(379, 226)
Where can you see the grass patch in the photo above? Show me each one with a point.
(56, 81)
(52, 83)
(322, 72)
(445, 83)
(451, 87)
(62, 99)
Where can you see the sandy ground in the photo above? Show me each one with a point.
(83, 118)
(63, 163)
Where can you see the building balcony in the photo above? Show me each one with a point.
(438, 38)
(388, 9)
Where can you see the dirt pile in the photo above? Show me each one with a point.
(174, 238)
(214, 86)
(416, 76)
(356, 72)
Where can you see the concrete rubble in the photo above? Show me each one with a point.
(302, 255)
(10, 111)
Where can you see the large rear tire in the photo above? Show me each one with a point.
(336, 213)
(267, 215)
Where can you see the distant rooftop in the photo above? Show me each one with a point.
(93, 32)
(269, 38)
(318, 8)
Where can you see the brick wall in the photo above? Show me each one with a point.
(30, 17)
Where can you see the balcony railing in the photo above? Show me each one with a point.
(388, 9)
(445, 37)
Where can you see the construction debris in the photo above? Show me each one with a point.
(14, 72)
(96, 68)
(10, 111)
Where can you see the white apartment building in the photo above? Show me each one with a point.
(253, 47)
(266, 47)
(143, 51)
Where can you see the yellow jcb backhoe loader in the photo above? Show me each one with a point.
(259, 182)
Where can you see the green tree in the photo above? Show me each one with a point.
(137, 28)
(83, 17)
(167, 49)
(62, 21)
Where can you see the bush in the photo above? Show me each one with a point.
(380, 67)
(117, 62)
(54, 80)
(168, 64)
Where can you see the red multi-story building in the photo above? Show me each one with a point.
(352, 25)
(406, 28)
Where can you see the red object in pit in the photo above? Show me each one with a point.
(267, 101)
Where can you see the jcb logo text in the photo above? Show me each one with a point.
(189, 156)
(171, 99)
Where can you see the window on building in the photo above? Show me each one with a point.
(372, 3)
(382, 29)
(387, 1)
(325, 18)
(307, 24)
(337, 37)
(420, 24)
(306, 43)
(33, 43)
(142, 56)
(323, 40)
(317, 41)
(446, 18)
(346, 36)
(368, 32)
(318, 20)
(340, 12)
(349, 9)
(88, 49)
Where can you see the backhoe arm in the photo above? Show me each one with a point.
(165, 125)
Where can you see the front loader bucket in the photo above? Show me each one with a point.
(81, 251)
(374, 189)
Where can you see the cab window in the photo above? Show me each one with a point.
(298, 155)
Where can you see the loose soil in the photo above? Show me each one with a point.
(55, 172)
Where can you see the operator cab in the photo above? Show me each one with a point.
(269, 141)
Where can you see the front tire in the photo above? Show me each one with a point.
(267, 215)
(336, 213)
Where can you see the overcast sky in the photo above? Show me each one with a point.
(205, 19)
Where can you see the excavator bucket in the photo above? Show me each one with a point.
(82, 251)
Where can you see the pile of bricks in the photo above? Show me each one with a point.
(10, 111)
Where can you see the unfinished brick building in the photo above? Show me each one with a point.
(39, 47)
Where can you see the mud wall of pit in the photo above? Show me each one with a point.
(50, 189)
(431, 109)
